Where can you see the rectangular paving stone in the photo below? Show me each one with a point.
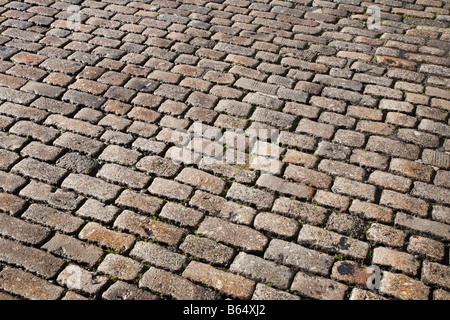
(21, 230)
(124, 291)
(276, 224)
(158, 256)
(354, 189)
(175, 286)
(58, 198)
(436, 274)
(117, 241)
(27, 285)
(405, 202)
(429, 227)
(83, 99)
(79, 143)
(35, 131)
(7, 158)
(39, 170)
(77, 126)
(232, 234)
(225, 282)
(393, 147)
(201, 180)
(43, 89)
(31, 259)
(79, 279)
(53, 218)
(93, 209)
(147, 227)
(273, 118)
(308, 177)
(11, 204)
(262, 270)
(10, 182)
(300, 210)
(16, 96)
(54, 106)
(120, 155)
(91, 187)
(280, 185)
(298, 257)
(62, 65)
(222, 208)
(23, 112)
(317, 287)
(403, 287)
(124, 176)
(207, 250)
(431, 192)
(170, 189)
(120, 267)
(332, 242)
(397, 260)
(73, 249)
(142, 202)
(261, 199)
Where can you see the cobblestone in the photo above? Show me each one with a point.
(104, 193)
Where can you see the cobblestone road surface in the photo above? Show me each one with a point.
(112, 113)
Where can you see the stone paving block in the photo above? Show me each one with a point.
(261, 199)
(79, 279)
(73, 249)
(264, 292)
(397, 260)
(158, 256)
(170, 189)
(11, 204)
(120, 267)
(148, 228)
(276, 224)
(222, 208)
(124, 291)
(79, 143)
(233, 234)
(22, 230)
(10, 182)
(404, 202)
(27, 285)
(175, 286)
(122, 175)
(31, 259)
(120, 155)
(296, 256)
(332, 242)
(262, 270)
(99, 131)
(39, 170)
(318, 287)
(90, 186)
(300, 210)
(225, 282)
(201, 180)
(354, 188)
(421, 246)
(351, 272)
(35, 131)
(116, 241)
(53, 218)
(433, 228)
(403, 287)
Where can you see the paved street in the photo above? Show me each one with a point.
(224, 149)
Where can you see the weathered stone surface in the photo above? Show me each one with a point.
(224, 149)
